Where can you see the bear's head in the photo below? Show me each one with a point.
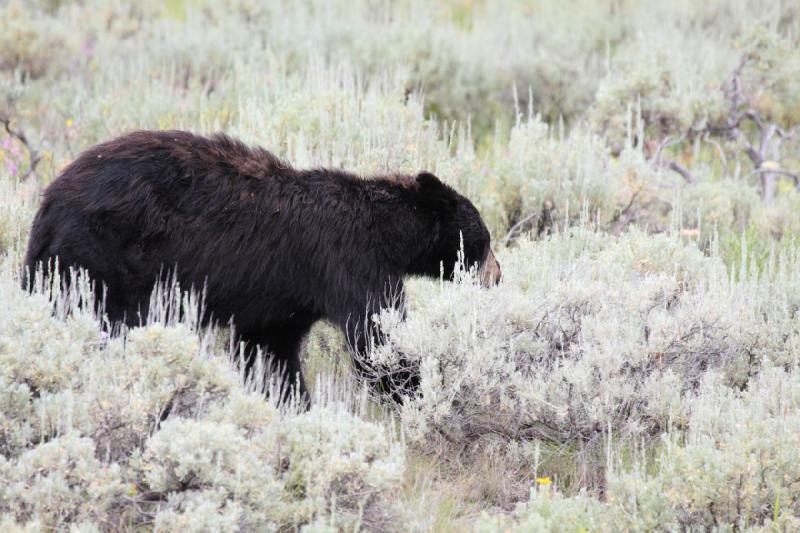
(454, 223)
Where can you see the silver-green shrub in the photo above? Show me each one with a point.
(734, 468)
(156, 428)
(592, 343)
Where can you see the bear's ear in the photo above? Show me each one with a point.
(434, 193)
(426, 180)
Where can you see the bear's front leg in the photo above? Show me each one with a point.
(363, 333)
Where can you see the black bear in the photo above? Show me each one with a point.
(274, 248)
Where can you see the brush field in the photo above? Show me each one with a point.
(637, 369)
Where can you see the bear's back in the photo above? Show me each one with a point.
(235, 219)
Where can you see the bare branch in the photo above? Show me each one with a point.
(707, 138)
(766, 137)
(683, 171)
(657, 163)
(515, 228)
(755, 116)
(624, 217)
(668, 141)
(733, 90)
(786, 135)
(754, 156)
(161, 496)
(783, 134)
(34, 157)
(786, 173)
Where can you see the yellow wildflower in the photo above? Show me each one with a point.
(544, 481)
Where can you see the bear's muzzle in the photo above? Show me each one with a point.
(490, 273)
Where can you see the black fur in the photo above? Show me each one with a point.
(275, 248)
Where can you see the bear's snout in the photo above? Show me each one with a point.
(490, 273)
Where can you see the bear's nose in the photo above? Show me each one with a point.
(490, 273)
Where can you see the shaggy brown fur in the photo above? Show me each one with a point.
(275, 248)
